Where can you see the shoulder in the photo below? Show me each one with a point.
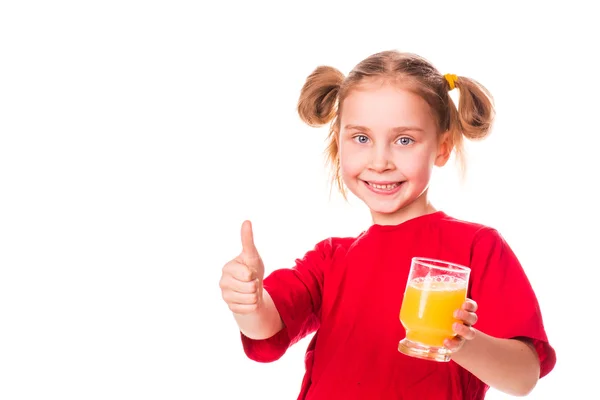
(463, 225)
(327, 249)
(334, 244)
(489, 254)
(475, 232)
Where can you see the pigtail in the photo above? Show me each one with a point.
(318, 100)
(475, 109)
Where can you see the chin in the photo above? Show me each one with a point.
(384, 208)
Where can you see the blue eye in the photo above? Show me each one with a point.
(405, 141)
(361, 139)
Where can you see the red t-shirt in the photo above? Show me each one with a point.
(349, 290)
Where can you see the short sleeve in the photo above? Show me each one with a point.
(296, 293)
(507, 305)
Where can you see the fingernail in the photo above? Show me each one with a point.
(456, 314)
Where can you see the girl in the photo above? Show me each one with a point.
(392, 121)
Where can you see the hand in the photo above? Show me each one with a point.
(463, 329)
(242, 278)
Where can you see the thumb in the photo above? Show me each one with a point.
(248, 248)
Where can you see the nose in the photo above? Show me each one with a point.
(381, 159)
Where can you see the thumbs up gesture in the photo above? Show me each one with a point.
(242, 277)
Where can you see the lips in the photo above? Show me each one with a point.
(384, 187)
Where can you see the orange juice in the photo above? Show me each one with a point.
(427, 311)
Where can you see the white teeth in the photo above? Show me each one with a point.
(385, 187)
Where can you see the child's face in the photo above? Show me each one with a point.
(388, 146)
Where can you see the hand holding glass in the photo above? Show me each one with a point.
(434, 290)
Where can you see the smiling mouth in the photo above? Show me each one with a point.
(384, 186)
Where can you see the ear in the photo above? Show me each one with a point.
(444, 149)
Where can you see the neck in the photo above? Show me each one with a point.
(421, 206)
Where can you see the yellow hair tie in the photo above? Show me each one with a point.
(451, 78)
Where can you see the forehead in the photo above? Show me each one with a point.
(381, 106)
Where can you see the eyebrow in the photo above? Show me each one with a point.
(398, 129)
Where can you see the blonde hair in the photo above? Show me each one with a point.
(325, 89)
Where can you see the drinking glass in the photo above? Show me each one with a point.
(434, 290)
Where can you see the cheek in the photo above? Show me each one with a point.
(349, 168)
(418, 164)
(350, 162)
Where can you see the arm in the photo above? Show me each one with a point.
(288, 307)
(263, 323)
(274, 313)
(509, 365)
(510, 349)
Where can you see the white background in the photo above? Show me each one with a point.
(135, 137)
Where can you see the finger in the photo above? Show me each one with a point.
(470, 305)
(248, 248)
(230, 283)
(232, 297)
(243, 308)
(454, 344)
(468, 318)
(239, 271)
(463, 331)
